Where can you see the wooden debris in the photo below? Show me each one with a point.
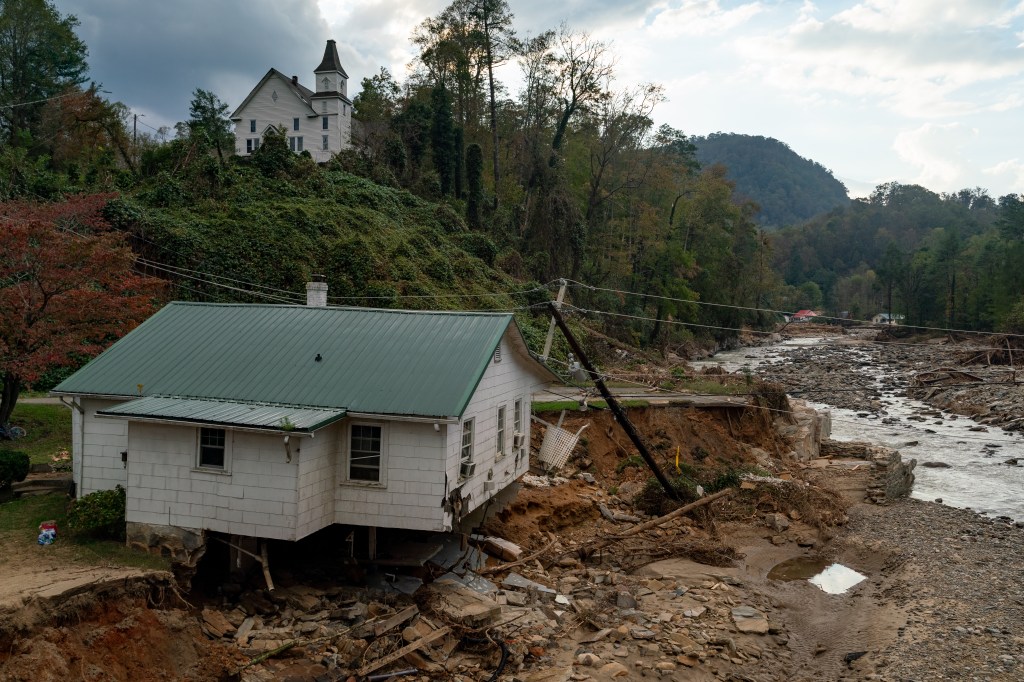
(457, 603)
(215, 624)
(407, 649)
(503, 549)
(524, 560)
(394, 621)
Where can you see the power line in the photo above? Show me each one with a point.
(873, 325)
(770, 333)
(45, 99)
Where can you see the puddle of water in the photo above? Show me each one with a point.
(830, 578)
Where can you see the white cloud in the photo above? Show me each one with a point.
(917, 60)
(937, 152)
(699, 18)
(1010, 173)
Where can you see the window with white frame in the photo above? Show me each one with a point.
(212, 449)
(517, 416)
(325, 122)
(295, 124)
(295, 143)
(500, 431)
(365, 454)
(466, 466)
(252, 125)
(326, 142)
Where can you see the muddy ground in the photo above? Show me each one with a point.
(689, 599)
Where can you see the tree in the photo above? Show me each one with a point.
(273, 155)
(494, 22)
(442, 138)
(209, 124)
(40, 56)
(474, 181)
(67, 289)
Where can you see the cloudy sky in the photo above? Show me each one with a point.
(919, 91)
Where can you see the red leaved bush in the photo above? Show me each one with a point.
(67, 288)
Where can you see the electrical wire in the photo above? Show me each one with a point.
(826, 341)
(873, 325)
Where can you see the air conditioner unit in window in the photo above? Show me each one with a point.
(467, 469)
(517, 440)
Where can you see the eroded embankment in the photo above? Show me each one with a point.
(119, 629)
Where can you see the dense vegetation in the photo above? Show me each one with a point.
(949, 260)
(788, 188)
(460, 193)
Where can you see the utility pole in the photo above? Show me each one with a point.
(551, 327)
(613, 404)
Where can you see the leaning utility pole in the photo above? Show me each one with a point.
(613, 404)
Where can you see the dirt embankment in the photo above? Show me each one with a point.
(117, 629)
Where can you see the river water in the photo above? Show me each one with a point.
(976, 477)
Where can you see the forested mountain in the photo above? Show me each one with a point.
(789, 188)
(948, 260)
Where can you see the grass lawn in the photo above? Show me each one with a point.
(559, 405)
(19, 530)
(48, 427)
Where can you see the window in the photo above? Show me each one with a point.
(212, 448)
(466, 454)
(252, 125)
(324, 122)
(295, 124)
(326, 142)
(248, 146)
(295, 143)
(517, 416)
(291, 143)
(501, 431)
(364, 459)
(497, 354)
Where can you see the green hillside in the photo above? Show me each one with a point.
(789, 188)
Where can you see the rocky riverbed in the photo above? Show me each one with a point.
(865, 375)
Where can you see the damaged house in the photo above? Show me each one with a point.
(276, 421)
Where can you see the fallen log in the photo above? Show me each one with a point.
(526, 559)
(685, 509)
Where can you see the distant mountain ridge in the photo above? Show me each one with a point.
(789, 188)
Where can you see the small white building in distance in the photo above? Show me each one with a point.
(319, 122)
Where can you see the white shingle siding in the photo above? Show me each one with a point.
(97, 445)
(256, 495)
(412, 496)
(502, 383)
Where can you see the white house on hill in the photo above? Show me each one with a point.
(275, 421)
(317, 121)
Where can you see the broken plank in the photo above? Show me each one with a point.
(408, 648)
(395, 620)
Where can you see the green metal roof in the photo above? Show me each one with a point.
(373, 361)
(222, 412)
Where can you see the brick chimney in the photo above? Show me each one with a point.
(316, 291)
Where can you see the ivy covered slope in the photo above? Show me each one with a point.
(377, 246)
(789, 188)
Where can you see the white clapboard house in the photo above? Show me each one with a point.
(275, 421)
(318, 121)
